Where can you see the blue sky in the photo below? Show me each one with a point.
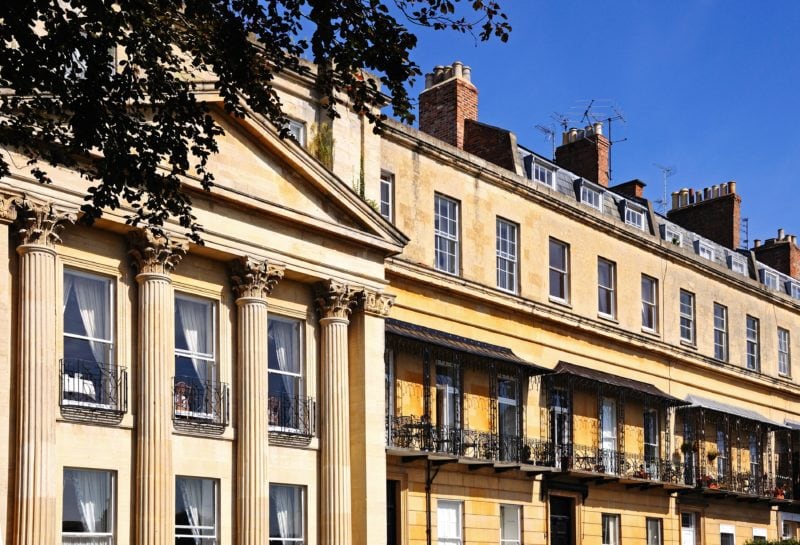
(709, 87)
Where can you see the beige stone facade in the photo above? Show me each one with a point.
(466, 353)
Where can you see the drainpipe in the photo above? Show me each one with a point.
(428, 484)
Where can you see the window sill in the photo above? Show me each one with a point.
(561, 302)
(785, 376)
(608, 318)
(651, 332)
(689, 344)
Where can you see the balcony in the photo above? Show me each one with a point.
(611, 463)
(92, 390)
(200, 404)
(292, 416)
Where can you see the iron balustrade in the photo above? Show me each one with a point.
(88, 385)
(783, 476)
(203, 402)
(292, 415)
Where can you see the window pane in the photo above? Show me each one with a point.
(87, 318)
(509, 529)
(195, 507)
(194, 325)
(284, 345)
(87, 502)
(653, 531)
(448, 522)
(285, 512)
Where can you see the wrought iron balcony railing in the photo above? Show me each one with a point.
(200, 402)
(292, 415)
(91, 386)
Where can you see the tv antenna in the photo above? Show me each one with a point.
(561, 119)
(666, 172)
(549, 133)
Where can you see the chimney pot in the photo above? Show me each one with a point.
(715, 191)
(780, 234)
(598, 128)
(731, 187)
(684, 194)
(707, 193)
(458, 69)
(675, 200)
(467, 74)
(756, 243)
(428, 80)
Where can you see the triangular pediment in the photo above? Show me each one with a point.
(256, 164)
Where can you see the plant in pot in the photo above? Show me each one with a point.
(712, 455)
(687, 447)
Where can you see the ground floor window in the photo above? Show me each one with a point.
(727, 534)
(759, 535)
(286, 514)
(448, 522)
(88, 507)
(195, 511)
(510, 525)
(654, 531)
(611, 529)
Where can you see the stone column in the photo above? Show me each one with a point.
(367, 416)
(154, 489)
(37, 404)
(335, 301)
(252, 282)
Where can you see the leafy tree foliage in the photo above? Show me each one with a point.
(109, 87)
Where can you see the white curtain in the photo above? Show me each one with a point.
(282, 336)
(282, 499)
(191, 491)
(194, 318)
(68, 280)
(92, 492)
(91, 297)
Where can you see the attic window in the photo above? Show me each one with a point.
(737, 264)
(297, 130)
(769, 279)
(794, 289)
(634, 216)
(670, 234)
(543, 174)
(591, 196)
(704, 250)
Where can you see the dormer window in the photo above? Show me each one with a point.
(634, 215)
(737, 264)
(591, 196)
(704, 250)
(543, 174)
(297, 130)
(793, 288)
(769, 279)
(672, 235)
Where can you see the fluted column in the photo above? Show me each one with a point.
(367, 416)
(154, 258)
(37, 482)
(335, 301)
(252, 282)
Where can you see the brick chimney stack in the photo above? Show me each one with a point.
(448, 100)
(713, 212)
(780, 253)
(585, 152)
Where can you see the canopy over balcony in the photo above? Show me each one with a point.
(732, 410)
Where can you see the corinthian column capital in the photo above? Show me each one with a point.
(253, 278)
(151, 254)
(376, 302)
(8, 209)
(40, 223)
(336, 299)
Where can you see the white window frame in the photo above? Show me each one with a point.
(446, 234)
(784, 353)
(704, 250)
(303, 515)
(543, 174)
(387, 186)
(737, 264)
(204, 540)
(720, 332)
(752, 343)
(110, 310)
(592, 197)
(650, 303)
(687, 317)
(770, 279)
(606, 534)
(300, 375)
(448, 539)
(671, 235)
(793, 289)
(209, 357)
(563, 274)
(514, 510)
(106, 537)
(759, 534)
(297, 130)
(727, 529)
(611, 290)
(634, 216)
(507, 246)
